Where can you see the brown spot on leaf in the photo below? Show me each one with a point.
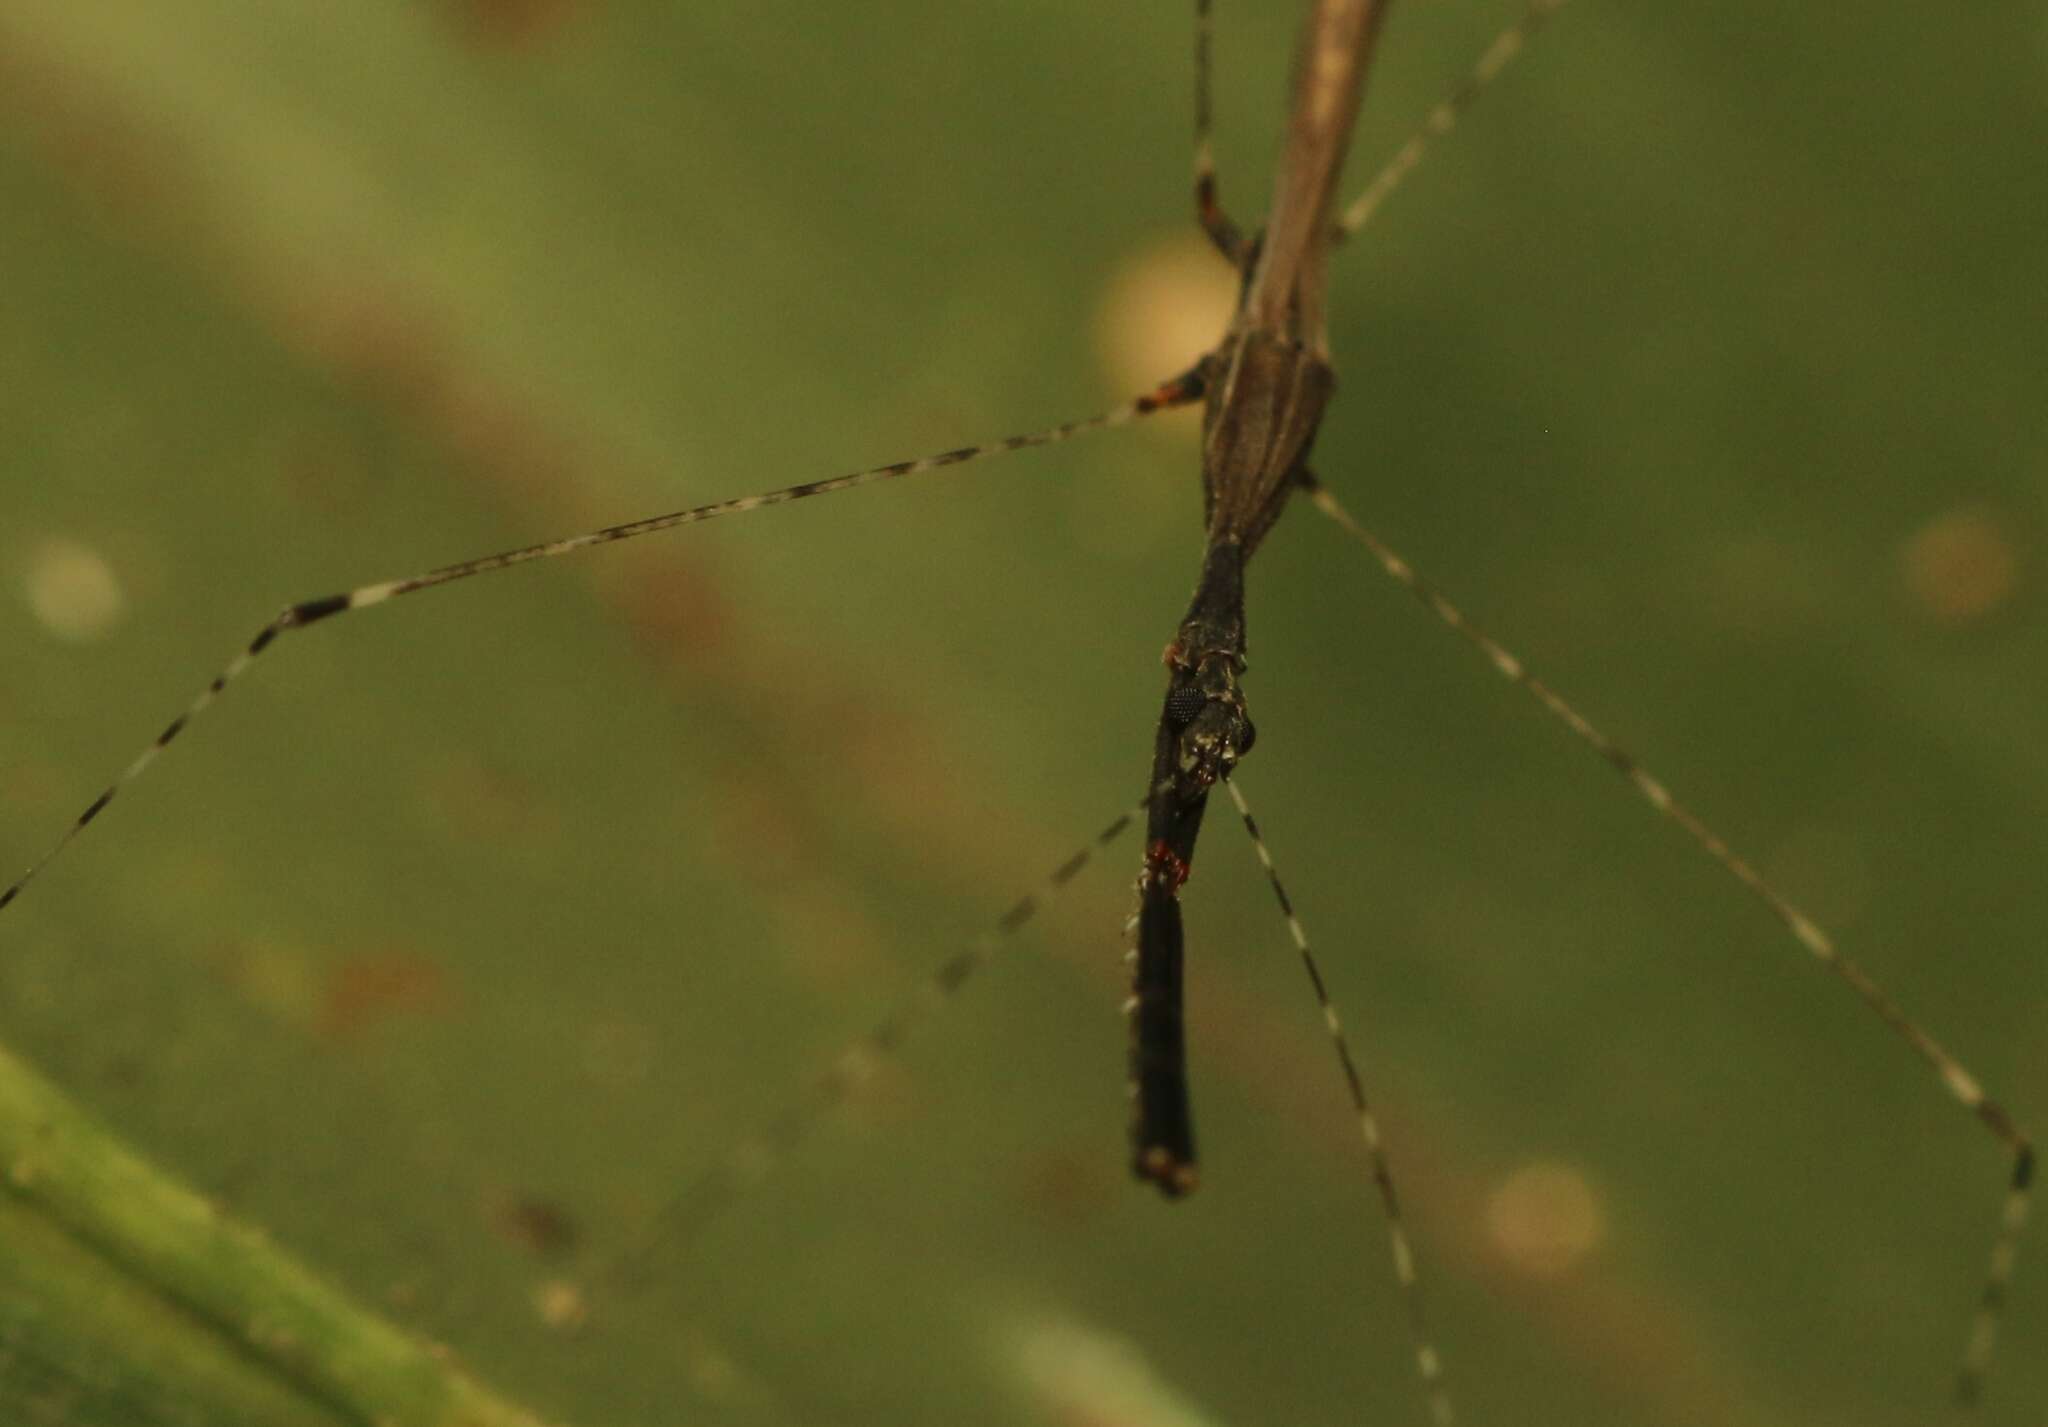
(487, 804)
(1071, 1185)
(1961, 567)
(674, 612)
(540, 1226)
(366, 990)
(509, 24)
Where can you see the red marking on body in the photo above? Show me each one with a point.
(1172, 393)
(1171, 655)
(1159, 858)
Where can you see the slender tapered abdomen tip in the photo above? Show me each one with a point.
(1172, 1176)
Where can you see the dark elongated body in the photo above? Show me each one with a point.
(1266, 388)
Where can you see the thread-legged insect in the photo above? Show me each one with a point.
(1483, 803)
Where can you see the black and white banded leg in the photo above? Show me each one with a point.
(1961, 1085)
(1178, 392)
(1428, 1363)
(753, 1158)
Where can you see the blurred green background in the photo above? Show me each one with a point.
(1706, 367)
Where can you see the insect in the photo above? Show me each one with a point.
(1501, 889)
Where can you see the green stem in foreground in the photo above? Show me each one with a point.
(70, 1170)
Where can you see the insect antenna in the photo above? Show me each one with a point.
(1428, 1363)
(1954, 1077)
(1178, 392)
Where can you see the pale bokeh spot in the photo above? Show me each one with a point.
(1544, 1219)
(72, 591)
(1962, 566)
(1083, 1374)
(560, 1305)
(1162, 309)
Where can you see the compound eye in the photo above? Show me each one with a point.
(1182, 705)
(1251, 736)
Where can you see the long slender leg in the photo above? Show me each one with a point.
(1427, 1363)
(753, 1158)
(1178, 392)
(1497, 56)
(1225, 234)
(1958, 1081)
